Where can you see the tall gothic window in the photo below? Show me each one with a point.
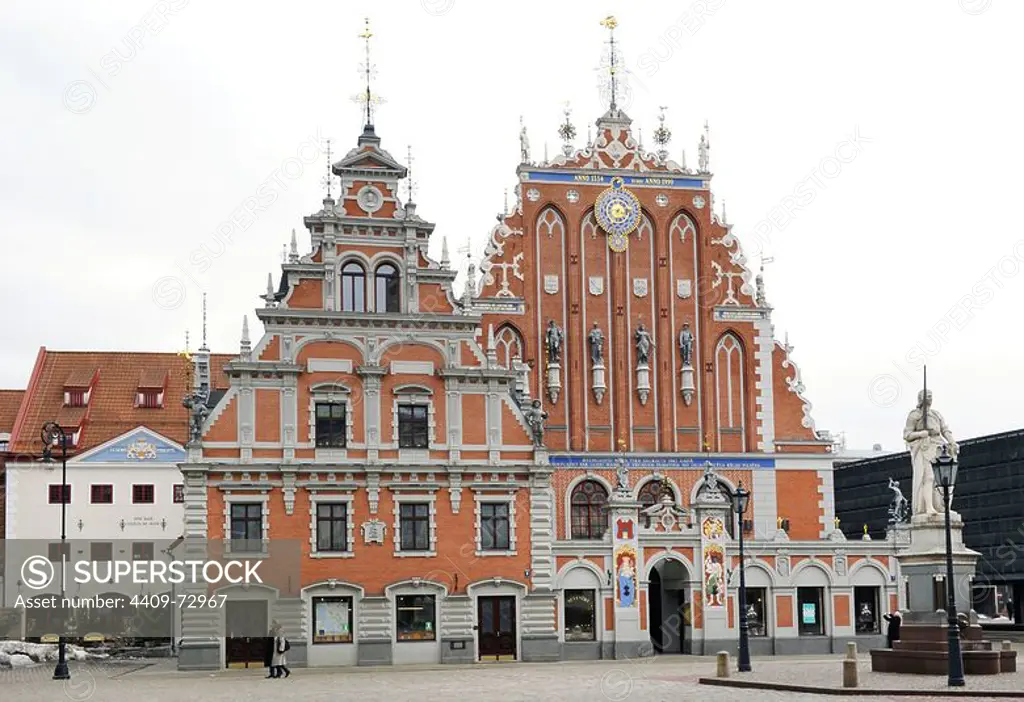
(353, 288)
(589, 520)
(729, 393)
(683, 226)
(550, 224)
(387, 284)
(509, 345)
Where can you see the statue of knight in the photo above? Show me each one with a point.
(898, 506)
(926, 433)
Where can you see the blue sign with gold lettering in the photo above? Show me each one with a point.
(653, 462)
(598, 179)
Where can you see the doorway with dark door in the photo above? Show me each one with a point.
(496, 628)
(667, 608)
(247, 633)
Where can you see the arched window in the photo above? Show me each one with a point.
(388, 288)
(589, 520)
(729, 394)
(550, 224)
(353, 288)
(649, 495)
(681, 226)
(508, 345)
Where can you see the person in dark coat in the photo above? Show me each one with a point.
(892, 633)
(268, 656)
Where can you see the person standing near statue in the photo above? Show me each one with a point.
(926, 433)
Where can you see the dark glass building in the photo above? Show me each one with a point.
(989, 496)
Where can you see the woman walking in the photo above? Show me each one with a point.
(279, 662)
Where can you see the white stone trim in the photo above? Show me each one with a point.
(763, 385)
(319, 498)
(412, 368)
(826, 503)
(396, 526)
(329, 365)
(262, 499)
(736, 346)
(508, 499)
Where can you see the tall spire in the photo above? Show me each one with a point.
(245, 346)
(611, 23)
(293, 253)
(328, 177)
(367, 68)
(445, 261)
(203, 347)
(410, 184)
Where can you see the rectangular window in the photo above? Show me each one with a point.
(332, 528)
(412, 426)
(75, 398)
(247, 527)
(414, 519)
(580, 616)
(756, 611)
(414, 618)
(149, 399)
(811, 610)
(332, 620)
(102, 495)
(179, 494)
(142, 494)
(494, 533)
(54, 551)
(865, 608)
(331, 427)
(101, 551)
(142, 550)
(4, 443)
(55, 494)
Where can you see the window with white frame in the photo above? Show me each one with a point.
(495, 524)
(331, 526)
(413, 426)
(415, 526)
(246, 526)
(330, 417)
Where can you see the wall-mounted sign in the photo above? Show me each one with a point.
(809, 613)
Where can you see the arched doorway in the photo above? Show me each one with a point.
(669, 607)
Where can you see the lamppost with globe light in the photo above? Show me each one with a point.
(740, 500)
(51, 434)
(944, 467)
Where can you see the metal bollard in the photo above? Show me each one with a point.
(851, 651)
(723, 664)
(849, 673)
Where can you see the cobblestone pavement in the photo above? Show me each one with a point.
(648, 680)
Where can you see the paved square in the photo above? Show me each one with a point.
(651, 680)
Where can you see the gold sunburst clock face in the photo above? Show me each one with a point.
(618, 212)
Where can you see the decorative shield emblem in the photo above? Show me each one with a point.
(596, 285)
(617, 210)
(640, 287)
(684, 288)
(551, 284)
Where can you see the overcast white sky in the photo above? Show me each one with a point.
(118, 169)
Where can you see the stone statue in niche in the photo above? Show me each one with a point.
(686, 345)
(926, 434)
(553, 338)
(535, 416)
(596, 339)
(622, 476)
(643, 345)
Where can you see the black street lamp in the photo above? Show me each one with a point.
(944, 467)
(169, 551)
(51, 433)
(740, 500)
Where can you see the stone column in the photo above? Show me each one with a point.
(200, 631)
(713, 514)
(540, 635)
(631, 641)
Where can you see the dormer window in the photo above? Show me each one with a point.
(150, 392)
(78, 387)
(71, 434)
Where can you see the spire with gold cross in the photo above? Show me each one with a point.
(613, 63)
(368, 99)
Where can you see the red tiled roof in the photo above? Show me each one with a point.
(111, 411)
(80, 377)
(153, 378)
(10, 402)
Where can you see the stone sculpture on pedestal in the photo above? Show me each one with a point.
(925, 433)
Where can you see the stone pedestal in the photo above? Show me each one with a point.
(554, 382)
(631, 641)
(598, 383)
(643, 382)
(924, 645)
(686, 384)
